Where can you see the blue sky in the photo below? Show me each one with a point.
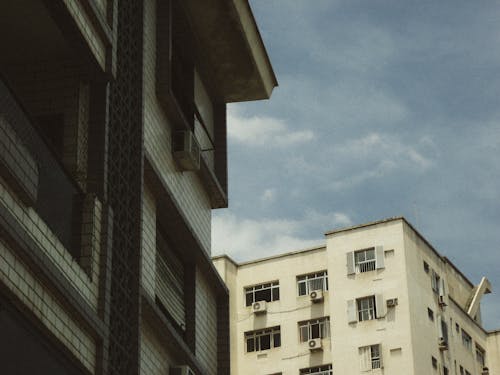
(385, 108)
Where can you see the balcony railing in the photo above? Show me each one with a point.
(365, 266)
(376, 363)
(58, 200)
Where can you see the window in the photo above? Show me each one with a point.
(435, 279)
(370, 357)
(366, 308)
(263, 339)
(314, 329)
(461, 370)
(430, 314)
(426, 267)
(445, 370)
(312, 281)
(467, 372)
(466, 340)
(264, 292)
(480, 356)
(434, 363)
(457, 327)
(319, 370)
(365, 260)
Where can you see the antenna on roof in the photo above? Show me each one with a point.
(415, 213)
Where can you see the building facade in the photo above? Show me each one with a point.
(376, 298)
(112, 156)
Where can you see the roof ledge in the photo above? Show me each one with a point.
(233, 45)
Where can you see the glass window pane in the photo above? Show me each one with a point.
(250, 345)
(265, 342)
(249, 299)
(315, 331)
(370, 254)
(276, 294)
(263, 295)
(302, 289)
(304, 333)
(277, 340)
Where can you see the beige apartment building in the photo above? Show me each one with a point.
(376, 298)
(112, 156)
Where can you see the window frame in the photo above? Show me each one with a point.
(482, 356)
(370, 309)
(308, 279)
(466, 340)
(272, 286)
(317, 370)
(323, 328)
(274, 334)
(375, 357)
(365, 265)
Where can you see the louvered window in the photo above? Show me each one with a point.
(170, 282)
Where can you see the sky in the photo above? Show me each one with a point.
(384, 108)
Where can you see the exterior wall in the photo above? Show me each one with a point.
(206, 324)
(493, 348)
(154, 359)
(185, 187)
(286, 313)
(392, 330)
(408, 338)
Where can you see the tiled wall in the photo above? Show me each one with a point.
(154, 360)
(206, 324)
(20, 280)
(186, 187)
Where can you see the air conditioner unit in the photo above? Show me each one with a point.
(186, 150)
(485, 371)
(392, 302)
(316, 296)
(259, 307)
(442, 344)
(314, 344)
(181, 370)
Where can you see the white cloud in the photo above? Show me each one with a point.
(264, 130)
(246, 239)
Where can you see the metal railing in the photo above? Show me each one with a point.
(365, 266)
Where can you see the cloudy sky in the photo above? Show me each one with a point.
(385, 108)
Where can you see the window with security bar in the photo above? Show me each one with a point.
(314, 329)
(370, 357)
(318, 370)
(313, 281)
(366, 308)
(263, 339)
(480, 356)
(263, 292)
(466, 340)
(364, 260)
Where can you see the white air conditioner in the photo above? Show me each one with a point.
(259, 307)
(314, 344)
(181, 370)
(392, 302)
(442, 344)
(186, 150)
(485, 371)
(316, 295)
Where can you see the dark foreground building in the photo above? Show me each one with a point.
(112, 155)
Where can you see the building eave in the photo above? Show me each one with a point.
(233, 45)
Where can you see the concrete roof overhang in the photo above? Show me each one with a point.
(228, 33)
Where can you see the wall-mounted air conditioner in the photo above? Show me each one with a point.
(259, 307)
(181, 370)
(316, 296)
(186, 150)
(392, 302)
(314, 344)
